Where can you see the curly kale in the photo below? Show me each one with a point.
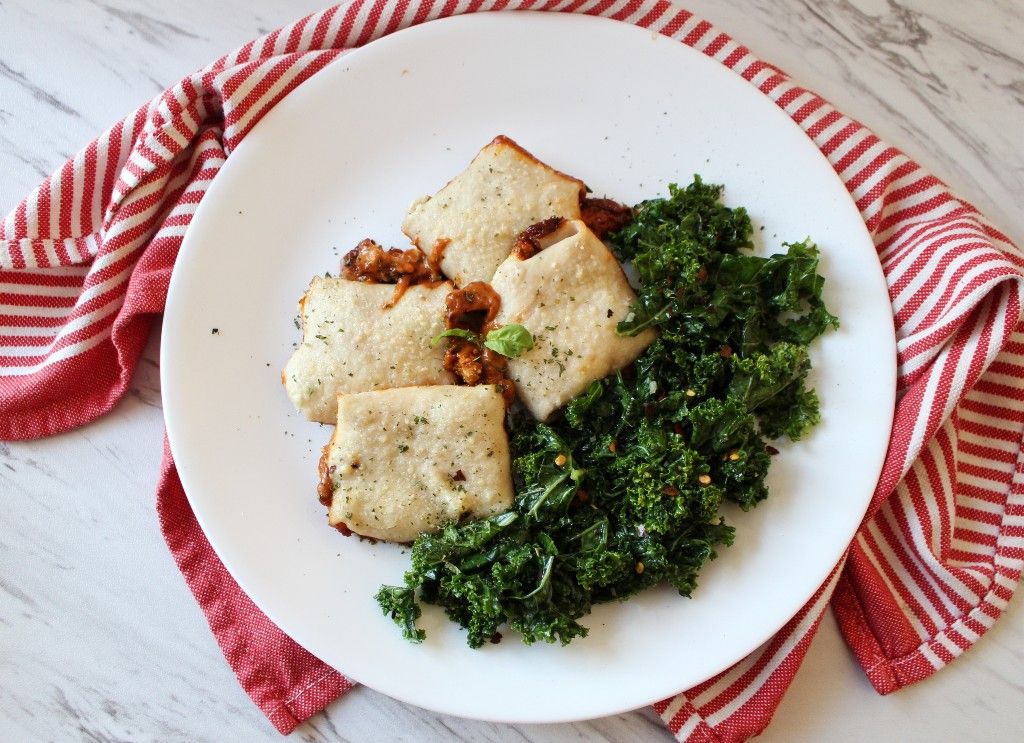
(624, 491)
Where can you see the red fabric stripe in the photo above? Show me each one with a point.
(671, 28)
(36, 278)
(697, 33)
(371, 22)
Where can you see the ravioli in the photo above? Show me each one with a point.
(570, 296)
(352, 341)
(407, 461)
(472, 222)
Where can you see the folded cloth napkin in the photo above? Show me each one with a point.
(84, 266)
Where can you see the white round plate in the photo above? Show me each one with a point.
(340, 159)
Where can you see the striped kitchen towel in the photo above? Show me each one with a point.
(84, 266)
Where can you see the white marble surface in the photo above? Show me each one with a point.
(99, 638)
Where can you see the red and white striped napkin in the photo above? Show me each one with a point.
(84, 266)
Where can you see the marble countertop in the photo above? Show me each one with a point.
(99, 637)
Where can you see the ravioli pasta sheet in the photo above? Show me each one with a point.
(476, 217)
(570, 296)
(351, 342)
(407, 461)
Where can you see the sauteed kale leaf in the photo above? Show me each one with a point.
(624, 491)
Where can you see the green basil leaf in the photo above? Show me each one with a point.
(469, 335)
(509, 340)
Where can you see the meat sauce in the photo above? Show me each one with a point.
(527, 242)
(371, 263)
(474, 307)
(604, 215)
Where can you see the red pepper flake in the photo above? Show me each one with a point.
(669, 490)
(495, 638)
(343, 528)
(702, 274)
(726, 352)
(649, 411)
(582, 495)
(613, 446)
(459, 476)
(771, 450)
(679, 429)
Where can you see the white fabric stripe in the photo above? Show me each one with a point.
(930, 656)
(283, 82)
(996, 508)
(980, 527)
(639, 13)
(948, 644)
(794, 638)
(893, 162)
(57, 188)
(865, 159)
(79, 323)
(830, 131)
(922, 562)
(886, 553)
(687, 728)
(104, 286)
(939, 212)
(998, 602)
(92, 317)
(916, 442)
(799, 102)
(728, 48)
(281, 43)
(59, 355)
(126, 146)
(51, 252)
(77, 198)
(125, 224)
(99, 203)
(1005, 581)
(846, 147)
(1006, 468)
(362, 16)
(1013, 520)
(676, 704)
(979, 553)
(954, 278)
(61, 312)
(29, 331)
(683, 31)
(816, 117)
(936, 349)
(335, 26)
(36, 290)
(996, 400)
(972, 416)
(934, 541)
(251, 80)
(920, 233)
(954, 241)
(1004, 379)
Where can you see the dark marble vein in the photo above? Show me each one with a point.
(19, 79)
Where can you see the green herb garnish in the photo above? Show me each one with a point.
(509, 340)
